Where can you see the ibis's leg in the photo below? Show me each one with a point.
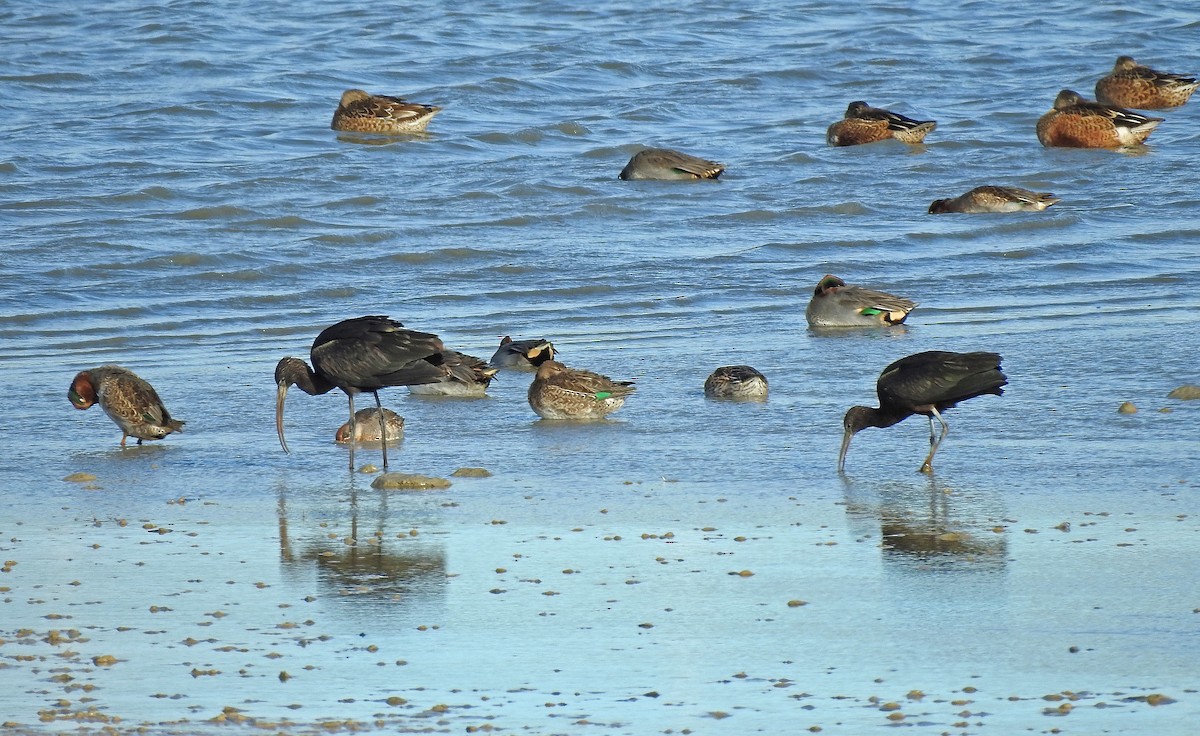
(353, 431)
(927, 467)
(382, 429)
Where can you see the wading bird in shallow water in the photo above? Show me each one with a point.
(740, 382)
(361, 355)
(928, 384)
(522, 354)
(1130, 84)
(366, 427)
(835, 303)
(127, 399)
(559, 392)
(360, 112)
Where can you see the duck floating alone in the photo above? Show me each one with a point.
(835, 303)
(989, 198)
(740, 382)
(361, 112)
(665, 164)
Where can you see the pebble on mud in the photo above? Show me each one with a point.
(1187, 392)
(1127, 408)
(408, 481)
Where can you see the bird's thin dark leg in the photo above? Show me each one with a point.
(353, 431)
(931, 439)
(927, 467)
(382, 429)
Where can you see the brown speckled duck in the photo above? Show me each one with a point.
(1132, 85)
(740, 382)
(360, 112)
(128, 400)
(1078, 123)
(866, 124)
(989, 198)
(559, 392)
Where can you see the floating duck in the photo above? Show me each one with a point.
(559, 392)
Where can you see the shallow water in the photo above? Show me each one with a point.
(175, 202)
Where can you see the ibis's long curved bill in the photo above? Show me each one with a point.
(280, 395)
(841, 455)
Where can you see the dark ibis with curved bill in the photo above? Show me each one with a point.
(361, 355)
(925, 383)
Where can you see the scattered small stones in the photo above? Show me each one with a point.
(408, 481)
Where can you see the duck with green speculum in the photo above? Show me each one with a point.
(835, 303)
(559, 392)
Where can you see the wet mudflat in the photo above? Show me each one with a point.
(632, 606)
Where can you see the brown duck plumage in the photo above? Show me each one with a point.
(128, 400)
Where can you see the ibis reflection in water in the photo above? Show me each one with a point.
(925, 383)
(361, 355)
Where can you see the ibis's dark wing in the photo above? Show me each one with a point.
(939, 378)
(367, 353)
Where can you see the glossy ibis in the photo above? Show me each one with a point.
(360, 112)
(361, 355)
(928, 384)
(989, 198)
(128, 400)
(1133, 85)
(835, 303)
(1074, 122)
(559, 392)
(522, 354)
(664, 164)
(736, 382)
(865, 124)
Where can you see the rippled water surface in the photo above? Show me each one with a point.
(174, 201)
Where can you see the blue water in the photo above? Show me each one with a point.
(174, 201)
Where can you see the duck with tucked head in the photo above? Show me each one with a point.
(360, 112)
(739, 382)
(1132, 85)
(468, 377)
(865, 124)
(835, 303)
(128, 400)
(1078, 123)
(367, 427)
(559, 392)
